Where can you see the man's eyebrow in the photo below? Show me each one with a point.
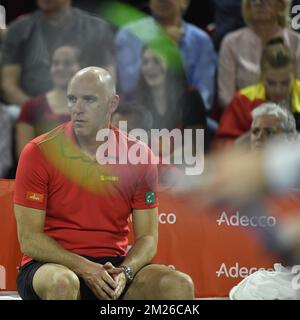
(89, 96)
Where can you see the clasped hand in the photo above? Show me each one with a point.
(106, 281)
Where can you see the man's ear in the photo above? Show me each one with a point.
(114, 103)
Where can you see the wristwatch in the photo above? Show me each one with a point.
(128, 273)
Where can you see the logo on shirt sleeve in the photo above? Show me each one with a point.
(36, 197)
(150, 197)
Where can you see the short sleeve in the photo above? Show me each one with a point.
(28, 112)
(145, 196)
(128, 58)
(31, 185)
(202, 65)
(12, 49)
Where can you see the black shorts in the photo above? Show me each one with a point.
(27, 272)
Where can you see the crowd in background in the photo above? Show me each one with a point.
(237, 78)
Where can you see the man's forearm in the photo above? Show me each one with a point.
(141, 253)
(14, 95)
(43, 248)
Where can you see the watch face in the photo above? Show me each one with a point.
(128, 273)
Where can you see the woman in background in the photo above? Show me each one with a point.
(278, 84)
(43, 113)
(240, 54)
(167, 96)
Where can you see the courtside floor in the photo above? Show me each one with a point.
(13, 295)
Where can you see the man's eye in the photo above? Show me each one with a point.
(286, 83)
(90, 99)
(271, 83)
(269, 132)
(72, 99)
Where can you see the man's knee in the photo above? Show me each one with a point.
(61, 285)
(176, 285)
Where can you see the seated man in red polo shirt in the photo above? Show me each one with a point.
(72, 212)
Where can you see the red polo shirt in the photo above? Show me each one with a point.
(87, 204)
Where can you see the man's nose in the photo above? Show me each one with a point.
(261, 136)
(279, 89)
(79, 106)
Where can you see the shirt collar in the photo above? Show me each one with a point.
(71, 148)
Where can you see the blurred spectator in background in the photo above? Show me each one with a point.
(31, 40)
(166, 95)
(136, 115)
(269, 120)
(172, 35)
(227, 18)
(278, 84)
(241, 50)
(6, 148)
(6, 123)
(43, 113)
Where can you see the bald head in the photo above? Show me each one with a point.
(96, 76)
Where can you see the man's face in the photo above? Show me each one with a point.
(162, 9)
(49, 6)
(90, 106)
(262, 129)
(278, 84)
